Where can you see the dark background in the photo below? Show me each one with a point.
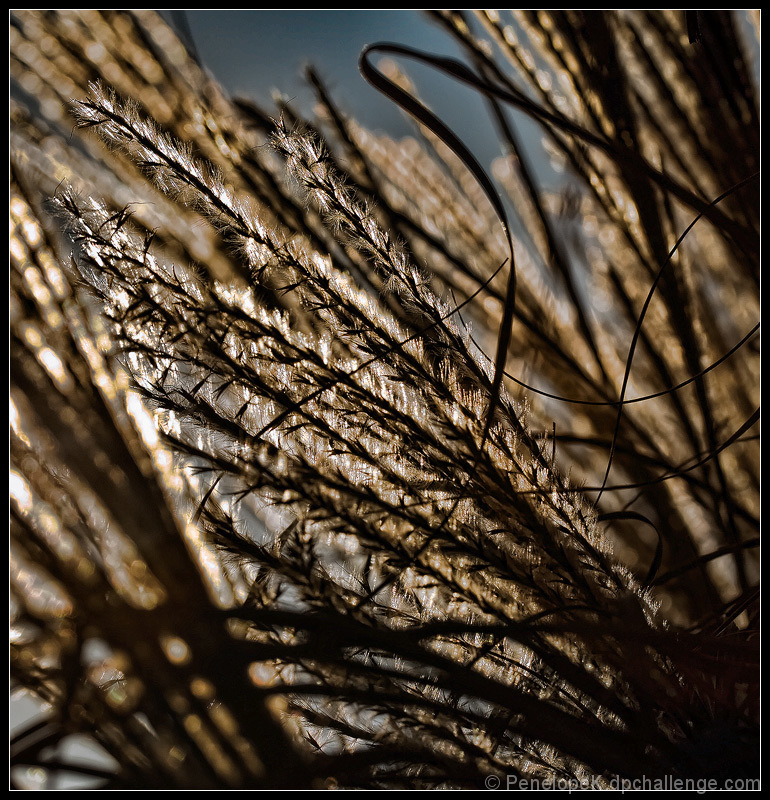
(253, 54)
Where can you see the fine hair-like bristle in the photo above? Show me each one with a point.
(342, 461)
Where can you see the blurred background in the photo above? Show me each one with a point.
(258, 54)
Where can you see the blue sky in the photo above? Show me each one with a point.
(252, 53)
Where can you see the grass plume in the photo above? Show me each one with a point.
(337, 461)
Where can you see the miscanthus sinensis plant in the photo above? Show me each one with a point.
(324, 473)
